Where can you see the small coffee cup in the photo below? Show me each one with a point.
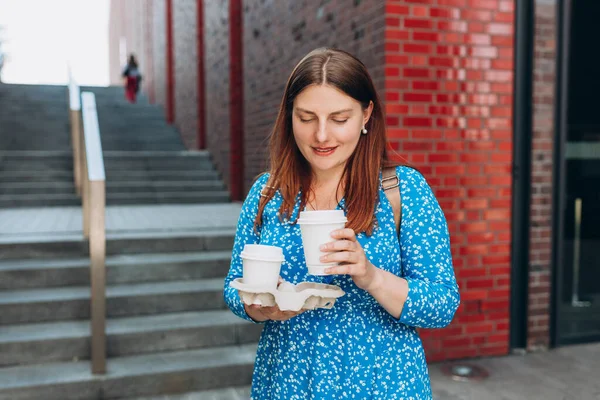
(261, 265)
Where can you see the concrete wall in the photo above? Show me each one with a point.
(186, 70)
(159, 51)
(216, 52)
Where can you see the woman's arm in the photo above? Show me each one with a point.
(427, 294)
(244, 234)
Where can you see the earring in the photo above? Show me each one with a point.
(364, 131)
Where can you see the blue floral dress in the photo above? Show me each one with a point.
(356, 350)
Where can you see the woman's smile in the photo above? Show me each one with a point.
(324, 151)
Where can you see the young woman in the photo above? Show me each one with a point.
(328, 148)
(132, 78)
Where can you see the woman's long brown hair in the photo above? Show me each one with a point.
(290, 173)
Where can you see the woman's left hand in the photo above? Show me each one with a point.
(347, 251)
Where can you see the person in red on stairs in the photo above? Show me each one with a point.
(133, 78)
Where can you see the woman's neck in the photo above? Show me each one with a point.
(325, 179)
(326, 190)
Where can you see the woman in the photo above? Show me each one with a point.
(132, 76)
(327, 149)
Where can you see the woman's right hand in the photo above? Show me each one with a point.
(261, 314)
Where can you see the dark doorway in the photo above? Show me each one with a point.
(577, 257)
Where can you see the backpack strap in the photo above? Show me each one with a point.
(389, 181)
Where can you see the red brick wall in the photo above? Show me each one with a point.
(449, 108)
(277, 35)
(540, 235)
(216, 56)
(186, 71)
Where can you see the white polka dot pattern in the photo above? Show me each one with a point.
(355, 350)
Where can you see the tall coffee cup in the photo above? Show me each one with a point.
(316, 228)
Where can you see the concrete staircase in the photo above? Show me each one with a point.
(168, 328)
(145, 160)
(169, 333)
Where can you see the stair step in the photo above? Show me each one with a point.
(112, 198)
(27, 154)
(236, 393)
(65, 341)
(158, 167)
(113, 176)
(150, 186)
(158, 154)
(39, 176)
(130, 376)
(44, 305)
(135, 242)
(121, 269)
(47, 200)
(208, 197)
(38, 188)
(124, 162)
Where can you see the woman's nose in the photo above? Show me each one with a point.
(321, 132)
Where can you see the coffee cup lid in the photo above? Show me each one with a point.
(322, 217)
(263, 252)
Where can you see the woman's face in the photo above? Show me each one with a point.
(327, 126)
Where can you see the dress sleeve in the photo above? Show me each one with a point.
(433, 295)
(245, 233)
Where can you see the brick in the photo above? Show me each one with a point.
(426, 36)
(396, 9)
(416, 73)
(486, 283)
(484, 4)
(477, 15)
(439, 157)
(418, 122)
(418, 23)
(397, 34)
(425, 85)
(465, 273)
(479, 328)
(411, 97)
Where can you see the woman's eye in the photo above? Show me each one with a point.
(340, 121)
(305, 120)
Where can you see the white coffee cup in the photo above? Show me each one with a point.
(316, 228)
(261, 265)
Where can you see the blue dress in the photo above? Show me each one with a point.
(356, 350)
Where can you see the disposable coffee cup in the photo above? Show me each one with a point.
(316, 228)
(261, 265)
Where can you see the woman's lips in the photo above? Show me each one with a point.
(324, 151)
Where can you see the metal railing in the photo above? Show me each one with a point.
(90, 180)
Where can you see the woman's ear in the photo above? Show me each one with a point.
(367, 113)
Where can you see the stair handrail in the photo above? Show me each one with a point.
(75, 120)
(93, 193)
